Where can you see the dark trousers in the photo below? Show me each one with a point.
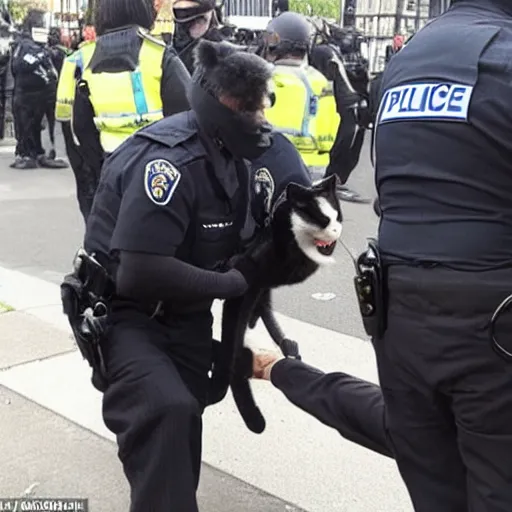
(346, 150)
(158, 380)
(86, 178)
(447, 394)
(29, 108)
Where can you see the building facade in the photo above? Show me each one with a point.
(380, 20)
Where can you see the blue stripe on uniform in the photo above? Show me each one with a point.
(138, 93)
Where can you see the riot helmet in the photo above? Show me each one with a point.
(193, 18)
(289, 34)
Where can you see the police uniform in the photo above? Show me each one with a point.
(149, 81)
(280, 165)
(444, 178)
(145, 93)
(164, 192)
(35, 81)
(311, 128)
(86, 177)
(346, 148)
(168, 214)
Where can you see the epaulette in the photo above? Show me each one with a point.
(149, 37)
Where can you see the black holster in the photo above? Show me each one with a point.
(85, 295)
(370, 285)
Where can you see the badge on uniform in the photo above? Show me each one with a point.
(160, 181)
(264, 187)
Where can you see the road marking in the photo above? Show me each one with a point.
(323, 296)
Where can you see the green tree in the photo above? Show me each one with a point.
(18, 9)
(325, 8)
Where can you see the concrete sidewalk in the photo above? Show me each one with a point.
(46, 455)
(56, 445)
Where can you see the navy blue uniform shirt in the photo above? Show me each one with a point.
(169, 192)
(280, 165)
(443, 142)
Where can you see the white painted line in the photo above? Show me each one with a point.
(323, 296)
(296, 458)
(8, 149)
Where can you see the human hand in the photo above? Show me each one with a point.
(263, 362)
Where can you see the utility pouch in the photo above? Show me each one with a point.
(370, 284)
(85, 297)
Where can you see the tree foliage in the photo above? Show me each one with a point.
(325, 8)
(18, 9)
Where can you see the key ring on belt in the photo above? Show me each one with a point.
(502, 351)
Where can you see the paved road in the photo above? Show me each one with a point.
(41, 228)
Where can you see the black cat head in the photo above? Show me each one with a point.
(316, 218)
(223, 68)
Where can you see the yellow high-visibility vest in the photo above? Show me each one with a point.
(305, 111)
(123, 102)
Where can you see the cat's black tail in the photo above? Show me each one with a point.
(242, 393)
(242, 367)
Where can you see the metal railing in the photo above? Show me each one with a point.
(248, 8)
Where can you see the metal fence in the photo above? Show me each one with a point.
(380, 20)
(248, 8)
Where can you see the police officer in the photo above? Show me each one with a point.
(305, 107)
(35, 80)
(444, 178)
(280, 6)
(58, 51)
(346, 150)
(194, 20)
(169, 208)
(281, 163)
(126, 80)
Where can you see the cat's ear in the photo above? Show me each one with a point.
(328, 184)
(206, 54)
(297, 194)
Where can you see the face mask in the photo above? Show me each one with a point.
(239, 135)
(191, 24)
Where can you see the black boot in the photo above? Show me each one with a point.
(48, 163)
(26, 163)
(345, 194)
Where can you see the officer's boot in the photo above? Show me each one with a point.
(17, 160)
(26, 163)
(49, 163)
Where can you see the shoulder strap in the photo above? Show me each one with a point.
(148, 37)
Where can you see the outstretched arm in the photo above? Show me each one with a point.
(352, 406)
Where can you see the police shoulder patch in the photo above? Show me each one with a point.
(436, 101)
(161, 179)
(264, 184)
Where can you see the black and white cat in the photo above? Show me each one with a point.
(304, 227)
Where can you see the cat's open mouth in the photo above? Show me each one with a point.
(325, 248)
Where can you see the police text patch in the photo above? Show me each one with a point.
(160, 181)
(434, 101)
